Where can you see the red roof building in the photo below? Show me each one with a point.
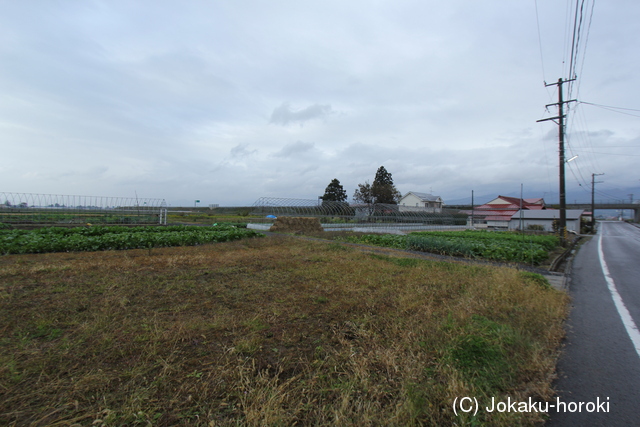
(498, 212)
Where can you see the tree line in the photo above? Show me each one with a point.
(382, 190)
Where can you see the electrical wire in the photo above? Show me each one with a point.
(612, 154)
(608, 106)
(583, 138)
(540, 42)
(575, 45)
(593, 4)
(573, 42)
(606, 195)
(574, 175)
(582, 179)
(595, 164)
(615, 146)
(566, 37)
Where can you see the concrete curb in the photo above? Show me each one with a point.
(561, 279)
(557, 280)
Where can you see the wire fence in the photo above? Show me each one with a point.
(359, 217)
(65, 210)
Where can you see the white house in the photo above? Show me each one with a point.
(420, 202)
(545, 218)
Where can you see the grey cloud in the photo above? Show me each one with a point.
(241, 150)
(294, 149)
(283, 115)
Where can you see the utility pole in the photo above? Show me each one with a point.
(521, 225)
(472, 209)
(560, 117)
(593, 202)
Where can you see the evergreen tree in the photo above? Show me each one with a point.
(383, 190)
(383, 177)
(334, 192)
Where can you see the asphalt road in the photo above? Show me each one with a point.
(601, 358)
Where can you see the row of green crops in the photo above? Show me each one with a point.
(495, 246)
(548, 242)
(57, 239)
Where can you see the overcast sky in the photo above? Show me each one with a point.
(229, 101)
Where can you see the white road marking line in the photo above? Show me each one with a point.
(624, 314)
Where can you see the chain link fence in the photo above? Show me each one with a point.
(377, 217)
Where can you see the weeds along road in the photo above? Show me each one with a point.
(601, 359)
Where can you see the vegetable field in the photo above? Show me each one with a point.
(58, 239)
(497, 246)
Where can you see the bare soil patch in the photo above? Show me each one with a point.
(288, 224)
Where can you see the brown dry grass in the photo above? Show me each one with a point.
(288, 224)
(275, 331)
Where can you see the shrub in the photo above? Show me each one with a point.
(535, 227)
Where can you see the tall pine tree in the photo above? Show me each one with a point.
(334, 192)
(334, 200)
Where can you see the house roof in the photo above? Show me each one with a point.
(538, 201)
(504, 211)
(512, 203)
(547, 214)
(425, 197)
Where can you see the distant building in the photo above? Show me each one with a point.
(521, 220)
(420, 202)
(497, 213)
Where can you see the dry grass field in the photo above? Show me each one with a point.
(268, 332)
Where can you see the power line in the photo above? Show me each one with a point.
(611, 154)
(608, 106)
(584, 137)
(606, 195)
(540, 41)
(566, 36)
(619, 112)
(579, 139)
(595, 163)
(576, 178)
(593, 4)
(578, 169)
(615, 146)
(575, 45)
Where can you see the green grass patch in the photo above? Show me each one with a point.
(536, 278)
(497, 246)
(483, 352)
(402, 262)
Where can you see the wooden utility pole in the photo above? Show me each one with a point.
(560, 117)
(472, 209)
